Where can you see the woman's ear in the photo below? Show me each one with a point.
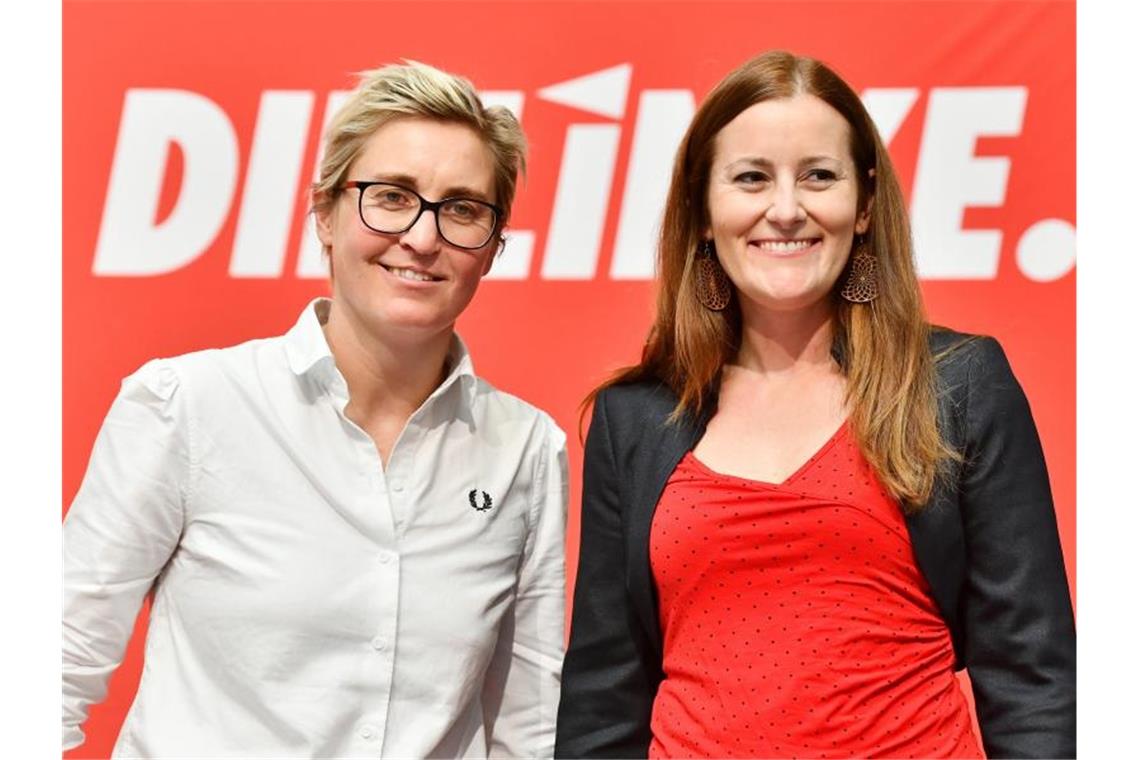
(863, 221)
(324, 213)
(496, 250)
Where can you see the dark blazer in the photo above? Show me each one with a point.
(986, 542)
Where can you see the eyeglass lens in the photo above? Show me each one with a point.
(462, 222)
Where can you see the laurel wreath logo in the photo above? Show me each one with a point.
(487, 501)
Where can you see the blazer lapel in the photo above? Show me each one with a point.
(665, 446)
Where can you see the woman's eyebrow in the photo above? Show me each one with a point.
(463, 191)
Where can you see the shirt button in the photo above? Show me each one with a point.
(397, 487)
(385, 558)
(379, 644)
(367, 732)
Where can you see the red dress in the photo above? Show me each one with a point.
(796, 621)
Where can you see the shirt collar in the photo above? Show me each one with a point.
(306, 348)
(462, 370)
(305, 344)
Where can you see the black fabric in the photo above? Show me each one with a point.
(987, 543)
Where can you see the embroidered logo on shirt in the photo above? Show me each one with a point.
(487, 503)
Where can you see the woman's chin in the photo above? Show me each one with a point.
(785, 299)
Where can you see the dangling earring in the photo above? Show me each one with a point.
(862, 284)
(714, 289)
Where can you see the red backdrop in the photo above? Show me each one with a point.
(191, 130)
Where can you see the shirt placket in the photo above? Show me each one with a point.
(379, 649)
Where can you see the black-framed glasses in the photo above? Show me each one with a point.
(390, 209)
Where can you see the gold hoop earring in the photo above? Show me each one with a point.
(862, 285)
(714, 289)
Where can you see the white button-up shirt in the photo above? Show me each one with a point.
(308, 600)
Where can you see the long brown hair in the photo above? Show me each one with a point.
(882, 345)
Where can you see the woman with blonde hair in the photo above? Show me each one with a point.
(354, 544)
(805, 507)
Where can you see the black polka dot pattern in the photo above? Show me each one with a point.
(796, 622)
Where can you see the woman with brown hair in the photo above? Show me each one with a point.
(805, 507)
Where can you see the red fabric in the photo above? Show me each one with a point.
(796, 621)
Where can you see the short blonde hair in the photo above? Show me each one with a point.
(415, 89)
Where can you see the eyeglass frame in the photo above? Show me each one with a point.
(425, 205)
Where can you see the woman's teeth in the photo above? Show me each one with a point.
(786, 246)
(410, 274)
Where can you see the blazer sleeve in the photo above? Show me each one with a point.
(1019, 639)
(609, 679)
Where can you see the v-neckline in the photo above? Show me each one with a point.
(795, 475)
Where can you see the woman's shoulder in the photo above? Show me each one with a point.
(966, 357)
(646, 400)
(636, 421)
(207, 372)
(974, 377)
